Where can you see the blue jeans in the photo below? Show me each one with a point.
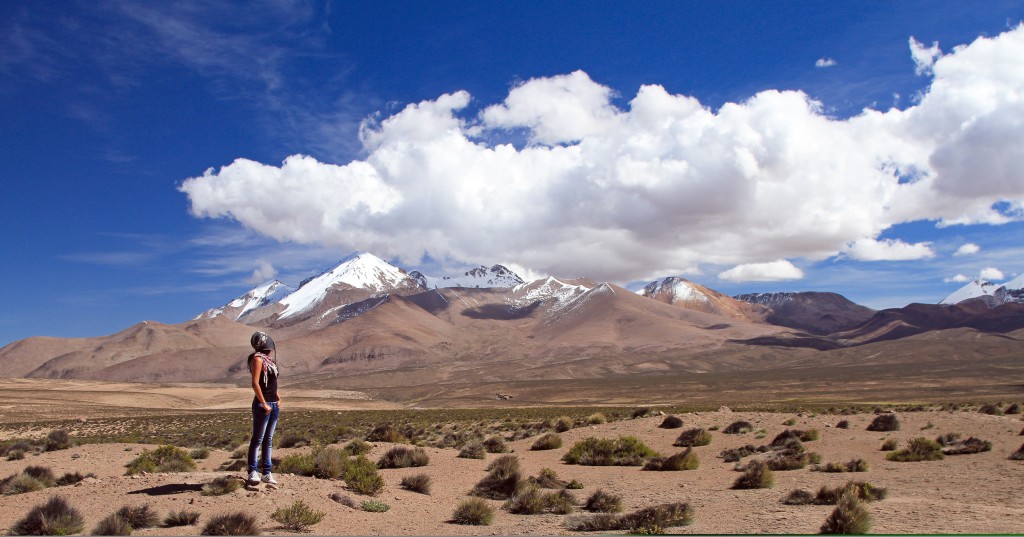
(263, 425)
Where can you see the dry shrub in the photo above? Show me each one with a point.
(548, 479)
(58, 439)
(181, 517)
(237, 523)
(548, 441)
(200, 453)
(563, 424)
(297, 517)
(329, 463)
(374, 506)
(357, 447)
(504, 477)
(756, 476)
(737, 454)
(684, 460)
(361, 476)
(473, 512)
(642, 412)
(738, 427)
(603, 502)
(417, 483)
(650, 520)
(221, 485)
(849, 516)
(791, 461)
(991, 410)
(138, 517)
(968, 446)
(161, 459)
(597, 418)
(113, 524)
(1018, 455)
(861, 489)
(70, 478)
(623, 451)
(40, 473)
(475, 450)
(293, 440)
(55, 517)
(495, 444)
(798, 497)
(693, 438)
(918, 449)
(298, 464)
(386, 433)
(1012, 408)
(854, 465)
(20, 484)
(890, 444)
(843, 424)
(401, 457)
(884, 423)
(671, 422)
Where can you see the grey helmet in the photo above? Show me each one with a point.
(260, 341)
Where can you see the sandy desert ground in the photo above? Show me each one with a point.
(977, 493)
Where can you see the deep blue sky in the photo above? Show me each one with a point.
(108, 107)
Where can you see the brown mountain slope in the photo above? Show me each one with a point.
(144, 339)
(812, 312)
(21, 357)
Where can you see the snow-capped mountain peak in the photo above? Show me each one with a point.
(360, 270)
(495, 276)
(675, 289)
(262, 295)
(993, 293)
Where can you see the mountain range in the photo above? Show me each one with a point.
(369, 325)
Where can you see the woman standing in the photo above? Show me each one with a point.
(265, 407)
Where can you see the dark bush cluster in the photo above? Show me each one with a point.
(548, 441)
(650, 520)
(55, 517)
(884, 423)
(474, 450)
(529, 500)
(548, 479)
(671, 422)
(830, 495)
(693, 438)
(417, 483)
(238, 523)
(756, 476)
(162, 459)
(473, 512)
(849, 517)
(603, 502)
(918, 449)
(495, 444)
(966, 446)
(402, 457)
(684, 460)
(738, 427)
(623, 451)
(504, 477)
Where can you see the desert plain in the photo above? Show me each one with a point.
(111, 424)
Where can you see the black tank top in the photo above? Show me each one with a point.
(268, 387)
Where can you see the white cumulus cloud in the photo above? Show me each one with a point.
(959, 278)
(659, 186)
(888, 250)
(924, 57)
(968, 249)
(992, 274)
(763, 272)
(825, 62)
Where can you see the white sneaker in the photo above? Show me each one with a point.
(254, 477)
(269, 479)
